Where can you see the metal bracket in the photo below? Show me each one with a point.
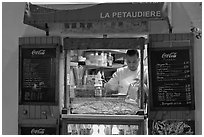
(46, 29)
(169, 25)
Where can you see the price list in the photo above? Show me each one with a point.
(171, 78)
(36, 78)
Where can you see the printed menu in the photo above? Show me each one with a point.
(171, 78)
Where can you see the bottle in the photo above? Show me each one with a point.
(69, 129)
(91, 59)
(85, 78)
(134, 129)
(105, 59)
(88, 129)
(98, 85)
(128, 130)
(101, 130)
(121, 130)
(110, 59)
(96, 59)
(95, 130)
(108, 130)
(100, 59)
(74, 130)
(115, 130)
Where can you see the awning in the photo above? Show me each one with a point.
(40, 16)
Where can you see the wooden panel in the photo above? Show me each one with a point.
(45, 113)
(55, 111)
(32, 40)
(21, 41)
(49, 40)
(101, 43)
(37, 122)
(175, 41)
(32, 111)
(42, 109)
(170, 37)
(23, 112)
(26, 40)
(56, 40)
(43, 40)
(166, 38)
(37, 112)
(39, 40)
(161, 115)
(26, 107)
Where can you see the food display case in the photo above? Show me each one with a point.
(88, 109)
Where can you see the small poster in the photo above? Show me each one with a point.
(172, 127)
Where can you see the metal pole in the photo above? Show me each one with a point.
(142, 76)
(65, 79)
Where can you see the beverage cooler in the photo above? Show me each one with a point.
(87, 108)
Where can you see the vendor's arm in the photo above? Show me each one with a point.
(112, 85)
(146, 83)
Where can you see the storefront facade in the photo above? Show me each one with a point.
(157, 25)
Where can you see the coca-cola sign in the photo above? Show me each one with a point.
(40, 131)
(38, 52)
(171, 55)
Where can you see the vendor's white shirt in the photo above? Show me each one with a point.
(123, 77)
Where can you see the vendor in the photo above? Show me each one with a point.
(127, 75)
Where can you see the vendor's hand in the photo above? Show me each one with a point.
(108, 91)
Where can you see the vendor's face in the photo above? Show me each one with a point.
(132, 62)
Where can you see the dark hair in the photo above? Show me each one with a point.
(132, 53)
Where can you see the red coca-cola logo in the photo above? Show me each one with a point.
(40, 131)
(38, 52)
(169, 55)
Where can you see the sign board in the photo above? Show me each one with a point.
(172, 127)
(39, 15)
(171, 78)
(38, 131)
(38, 67)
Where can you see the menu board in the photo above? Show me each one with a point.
(38, 74)
(171, 78)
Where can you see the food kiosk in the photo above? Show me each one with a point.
(61, 83)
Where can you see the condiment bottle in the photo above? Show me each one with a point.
(95, 130)
(101, 130)
(98, 85)
(128, 130)
(110, 59)
(105, 59)
(100, 59)
(96, 58)
(115, 130)
(69, 129)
